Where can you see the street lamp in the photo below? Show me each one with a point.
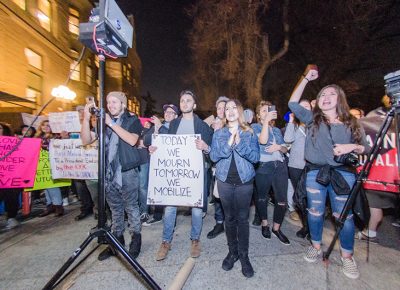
(63, 92)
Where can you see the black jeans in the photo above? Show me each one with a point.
(294, 175)
(84, 195)
(275, 174)
(10, 196)
(236, 200)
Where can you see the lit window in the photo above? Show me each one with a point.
(20, 3)
(128, 72)
(43, 14)
(32, 94)
(89, 74)
(34, 87)
(33, 58)
(76, 71)
(73, 21)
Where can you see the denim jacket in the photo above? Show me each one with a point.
(247, 153)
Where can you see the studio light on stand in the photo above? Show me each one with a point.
(108, 34)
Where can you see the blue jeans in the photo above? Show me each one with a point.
(316, 199)
(169, 223)
(143, 186)
(53, 196)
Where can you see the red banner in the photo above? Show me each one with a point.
(384, 174)
(19, 168)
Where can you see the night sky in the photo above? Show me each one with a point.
(161, 29)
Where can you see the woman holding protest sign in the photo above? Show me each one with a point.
(10, 196)
(235, 150)
(332, 134)
(53, 195)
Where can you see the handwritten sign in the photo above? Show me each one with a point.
(70, 160)
(19, 168)
(64, 121)
(43, 177)
(27, 119)
(176, 171)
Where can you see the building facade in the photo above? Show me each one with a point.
(39, 49)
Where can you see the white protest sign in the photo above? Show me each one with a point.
(27, 119)
(176, 175)
(64, 121)
(70, 160)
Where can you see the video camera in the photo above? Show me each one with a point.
(392, 85)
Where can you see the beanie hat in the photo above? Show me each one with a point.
(120, 96)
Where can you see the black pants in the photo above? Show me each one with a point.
(236, 203)
(275, 174)
(294, 175)
(84, 195)
(10, 196)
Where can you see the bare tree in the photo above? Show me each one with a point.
(231, 50)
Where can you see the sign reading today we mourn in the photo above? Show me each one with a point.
(19, 168)
(70, 160)
(176, 171)
(384, 174)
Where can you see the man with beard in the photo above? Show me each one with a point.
(122, 160)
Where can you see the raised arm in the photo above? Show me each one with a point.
(309, 75)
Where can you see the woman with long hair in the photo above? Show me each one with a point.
(53, 195)
(295, 136)
(271, 171)
(235, 150)
(332, 132)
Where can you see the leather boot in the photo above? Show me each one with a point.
(233, 256)
(59, 210)
(49, 209)
(247, 268)
(135, 245)
(109, 251)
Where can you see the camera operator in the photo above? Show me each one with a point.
(122, 160)
(332, 133)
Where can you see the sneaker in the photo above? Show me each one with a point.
(282, 238)
(294, 216)
(312, 254)
(195, 249)
(217, 230)
(363, 237)
(65, 201)
(152, 222)
(74, 199)
(12, 223)
(350, 268)
(396, 223)
(163, 250)
(144, 217)
(266, 233)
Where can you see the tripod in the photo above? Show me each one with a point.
(101, 232)
(363, 176)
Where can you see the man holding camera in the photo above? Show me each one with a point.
(122, 159)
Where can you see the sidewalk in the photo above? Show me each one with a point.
(31, 254)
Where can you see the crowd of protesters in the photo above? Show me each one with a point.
(245, 162)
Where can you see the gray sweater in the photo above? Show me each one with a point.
(296, 136)
(319, 148)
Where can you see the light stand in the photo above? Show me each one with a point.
(101, 232)
(392, 114)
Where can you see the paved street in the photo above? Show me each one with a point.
(32, 253)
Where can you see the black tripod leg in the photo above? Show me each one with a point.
(51, 284)
(112, 240)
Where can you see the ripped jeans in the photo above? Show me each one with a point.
(316, 199)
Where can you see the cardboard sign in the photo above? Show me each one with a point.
(70, 160)
(27, 119)
(64, 121)
(176, 175)
(384, 175)
(19, 168)
(43, 177)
